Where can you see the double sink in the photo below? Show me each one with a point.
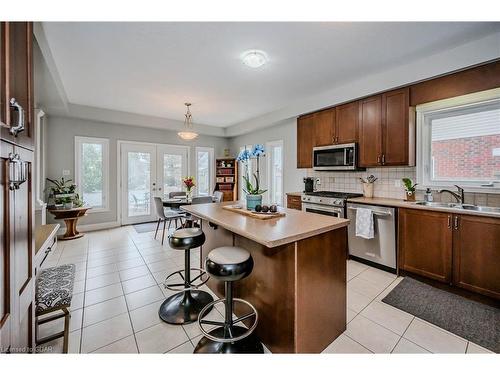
(460, 206)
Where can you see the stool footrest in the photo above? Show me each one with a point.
(190, 284)
(224, 324)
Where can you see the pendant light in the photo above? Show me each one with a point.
(188, 134)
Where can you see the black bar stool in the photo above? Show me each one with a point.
(185, 306)
(229, 264)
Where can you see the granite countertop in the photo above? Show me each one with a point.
(401, 203)
(295, 226)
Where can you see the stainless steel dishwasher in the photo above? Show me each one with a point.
(380, 250)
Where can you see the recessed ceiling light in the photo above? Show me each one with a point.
(254, 58)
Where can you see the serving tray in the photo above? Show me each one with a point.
(256, 215)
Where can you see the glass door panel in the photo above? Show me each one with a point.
(172, 167)
(138, 183)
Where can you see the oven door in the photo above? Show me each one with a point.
(338, 157)
(323, 209)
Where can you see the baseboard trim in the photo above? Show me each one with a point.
(92, 227)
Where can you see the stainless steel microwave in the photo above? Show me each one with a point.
(341, 157)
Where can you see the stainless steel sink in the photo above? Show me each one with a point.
(438, 204)
(481, 209)
(458, 206)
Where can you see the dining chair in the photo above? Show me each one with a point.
(218, 196)
(166, 216)
(174, 194)
(198, 200)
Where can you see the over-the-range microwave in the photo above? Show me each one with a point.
(341, 157)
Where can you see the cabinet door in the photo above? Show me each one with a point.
(17, 81)
(305, 138)
(370, 131)
(425, 243)
(6, 218)
(396, 105)
(476, 254)
(347, 122)
(324, 127)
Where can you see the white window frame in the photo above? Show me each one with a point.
(269, 154)
(104, 142)
(211, 166)
(425, 113)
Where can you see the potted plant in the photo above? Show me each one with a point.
(63, 192)
(189, 184)
(409, 188)
(252, 190)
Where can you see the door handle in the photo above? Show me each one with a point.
(14, 105)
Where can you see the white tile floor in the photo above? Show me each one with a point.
(118, 292)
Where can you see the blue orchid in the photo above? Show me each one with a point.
(244, 156)
(258, 150)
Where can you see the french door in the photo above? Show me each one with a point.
(148, 171)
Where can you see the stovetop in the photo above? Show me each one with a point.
(334, 194)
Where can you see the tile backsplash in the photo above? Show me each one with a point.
(389, 185)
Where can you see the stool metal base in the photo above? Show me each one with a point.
(182, 308)
(248, 345)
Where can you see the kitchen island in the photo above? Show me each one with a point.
(298, 284)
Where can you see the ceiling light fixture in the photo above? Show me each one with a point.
(188, 134)
(254, 58)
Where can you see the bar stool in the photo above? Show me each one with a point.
(185, 306)
(229, 264)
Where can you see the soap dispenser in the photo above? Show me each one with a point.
(428, 195)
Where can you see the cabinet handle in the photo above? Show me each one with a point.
(456, 223)
(14, 130)
(383, 158)
(378, 159)
(449, 221)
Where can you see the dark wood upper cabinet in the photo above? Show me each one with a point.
(395, 130)
(476, 254)
(386, 130)
(324, 127)
(347, 122)
(370, 131)
(425, 243)
(305, 139)
(16, 81)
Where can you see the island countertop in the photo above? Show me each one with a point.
(295, 226)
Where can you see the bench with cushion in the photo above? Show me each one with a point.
(54, 290)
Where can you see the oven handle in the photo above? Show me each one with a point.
(378, 213)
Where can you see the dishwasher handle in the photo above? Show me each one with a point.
(375, 212)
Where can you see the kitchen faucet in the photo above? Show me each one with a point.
(459, 196)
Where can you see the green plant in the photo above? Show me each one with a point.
(77, 202)
(61, 186)
(409, 185)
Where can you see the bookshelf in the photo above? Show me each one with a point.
(226, 178)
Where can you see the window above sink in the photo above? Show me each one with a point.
(458, 142)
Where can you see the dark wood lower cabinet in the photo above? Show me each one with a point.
(425, 243)
(16, 256)
(476, 254)
(462, 250)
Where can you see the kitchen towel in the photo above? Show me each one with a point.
(364, 223)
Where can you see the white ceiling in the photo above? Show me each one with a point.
(153, 68)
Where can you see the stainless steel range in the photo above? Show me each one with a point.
(329, 203)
